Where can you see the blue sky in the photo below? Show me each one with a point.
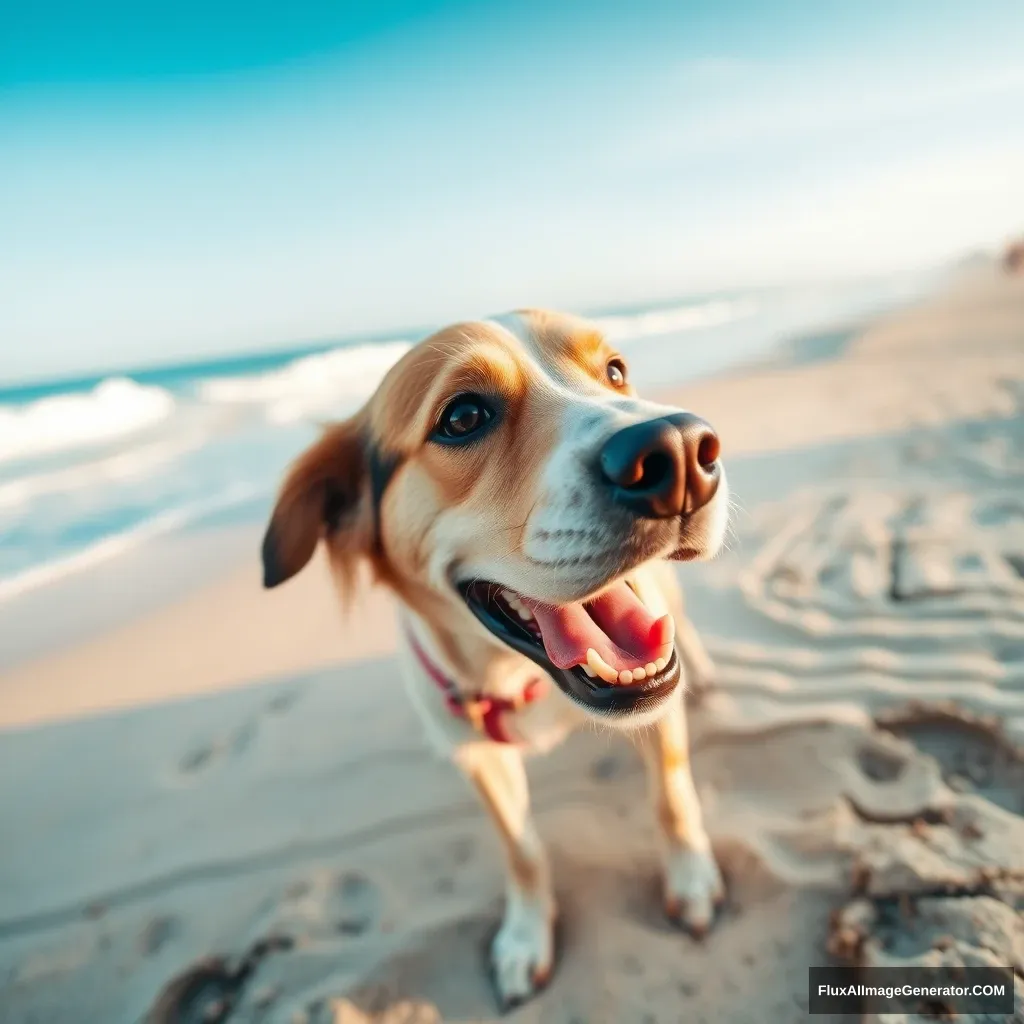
(219, 177)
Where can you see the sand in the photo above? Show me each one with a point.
(225, 804)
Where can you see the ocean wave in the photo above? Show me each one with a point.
(119, 543)
(114, 469)
(327, 382)
(333, 382)
(113, 409)
(655, 322)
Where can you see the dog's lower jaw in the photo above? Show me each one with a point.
(634, 721)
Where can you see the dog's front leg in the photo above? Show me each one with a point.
(523, 950)
(693, 885)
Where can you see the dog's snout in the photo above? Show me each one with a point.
(662, 468)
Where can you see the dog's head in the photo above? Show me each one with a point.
(506, 477)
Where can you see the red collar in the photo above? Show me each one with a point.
(482, 711)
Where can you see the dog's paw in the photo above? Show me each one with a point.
(522, 953)
(693, 889)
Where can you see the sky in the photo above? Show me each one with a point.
(212, 177)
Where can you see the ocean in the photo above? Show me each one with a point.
(93, 467)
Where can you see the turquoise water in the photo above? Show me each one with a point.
(94, 466)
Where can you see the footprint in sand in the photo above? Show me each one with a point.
(326, 903)
(283, 701)
(207, 752)
(204, 754)
(608, 767)
(881, 765)
(359, 902)
(462, 850)
(971, 759)
(156, 933)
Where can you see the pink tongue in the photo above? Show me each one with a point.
(616, 625)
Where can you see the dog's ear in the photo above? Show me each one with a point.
(324, 493)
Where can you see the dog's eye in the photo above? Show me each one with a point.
(462, 417)
(617, 372)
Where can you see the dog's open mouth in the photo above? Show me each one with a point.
(609, 653)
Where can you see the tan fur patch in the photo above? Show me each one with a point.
(674, 758)
(524, 869)
(577, 352)
(491, 480)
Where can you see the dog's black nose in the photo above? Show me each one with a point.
(663, 468)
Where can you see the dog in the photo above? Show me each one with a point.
(523, 504)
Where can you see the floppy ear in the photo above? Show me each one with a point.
(323, 494)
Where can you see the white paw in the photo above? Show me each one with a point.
(693, 889)
(522, 953)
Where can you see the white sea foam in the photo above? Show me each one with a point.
(115, 408)
(334, 381)
(327, 382)
(656, 322)
(117, 544)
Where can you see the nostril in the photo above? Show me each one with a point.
(655, 469)
(708, 451)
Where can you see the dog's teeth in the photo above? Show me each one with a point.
(638, 674)
(650, 668)
(524, 613)
(625, 676)
(590, 672)
(660, 664)
(600, 667)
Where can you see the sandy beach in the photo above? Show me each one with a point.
(223, 803)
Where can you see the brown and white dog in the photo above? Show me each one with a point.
(520, 500)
